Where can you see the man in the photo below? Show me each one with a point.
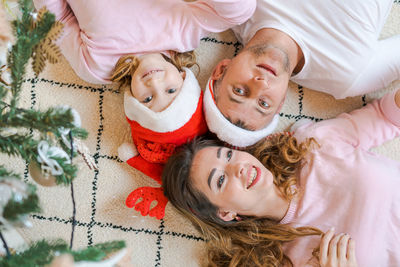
(330, 46)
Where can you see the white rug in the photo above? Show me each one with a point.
(100, 195)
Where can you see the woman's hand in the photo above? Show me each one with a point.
(337, 250)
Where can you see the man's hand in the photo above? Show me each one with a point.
(337, 250)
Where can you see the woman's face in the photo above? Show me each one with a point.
(234, 181)
(156, 82)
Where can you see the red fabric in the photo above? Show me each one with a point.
(148, 195)
(153, 170)
(154, 149)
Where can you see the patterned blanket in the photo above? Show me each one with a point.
(100, 195)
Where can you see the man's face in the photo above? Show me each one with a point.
(253, 85)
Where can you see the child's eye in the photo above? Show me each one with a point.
(220, 181)
(147, 99)
(229, 154)
(171, 91)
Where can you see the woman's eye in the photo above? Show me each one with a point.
(263, 104)
(229, 154)
(220, 181)
(147, 99)
(238, 91)
(171, 90)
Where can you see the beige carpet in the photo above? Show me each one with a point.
(100, 195)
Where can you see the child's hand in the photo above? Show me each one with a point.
(337, 250)
(148, 195)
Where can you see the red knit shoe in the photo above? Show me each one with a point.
(148, 195)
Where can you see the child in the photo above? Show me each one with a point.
(134, 39)
(163, 113)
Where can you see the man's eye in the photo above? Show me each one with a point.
(263, 104)
(171, 90)
(147, 99)
(238, 91)
(220, 181)
(229, 154)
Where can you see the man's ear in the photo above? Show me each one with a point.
(226, 215)
(220, 69)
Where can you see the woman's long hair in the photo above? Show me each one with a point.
(249, 241)
(127, 65)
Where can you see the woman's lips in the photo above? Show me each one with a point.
(256, 179)
(267, 68)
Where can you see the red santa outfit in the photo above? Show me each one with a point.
(155, 137)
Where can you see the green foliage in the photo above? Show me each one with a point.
(4, 172)
(19, 145)
(14, 210)
(27, 38)
(43, 252)
(69, 172)
(39, 254)
(22, 130)
(98, 252)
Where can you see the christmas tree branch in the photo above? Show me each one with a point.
(19, 145)
(48, 121)
(43, 252)
(27, 38)
(13, 210)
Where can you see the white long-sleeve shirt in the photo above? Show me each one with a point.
(339, 40)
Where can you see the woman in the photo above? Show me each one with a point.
(268, 206)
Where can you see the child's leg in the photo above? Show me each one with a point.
(383, 69)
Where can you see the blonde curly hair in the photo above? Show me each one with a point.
(127, 65)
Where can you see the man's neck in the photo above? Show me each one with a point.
(284, 42)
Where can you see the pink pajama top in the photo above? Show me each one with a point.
(345, 185)
(98, 32)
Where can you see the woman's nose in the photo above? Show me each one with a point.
(235, 169)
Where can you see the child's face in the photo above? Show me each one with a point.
(156, 82)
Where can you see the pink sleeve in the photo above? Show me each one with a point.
(71, 44)
(220, 15)
(59, 8)
(365, 128)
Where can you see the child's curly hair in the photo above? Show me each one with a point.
(127, 65)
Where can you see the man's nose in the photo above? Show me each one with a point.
(260, 83)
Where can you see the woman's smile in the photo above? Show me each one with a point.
(254, 176)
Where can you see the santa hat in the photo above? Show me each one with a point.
(224, 129)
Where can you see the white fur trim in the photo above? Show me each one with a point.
(228, 132)
(173, 117)
(127, 151)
